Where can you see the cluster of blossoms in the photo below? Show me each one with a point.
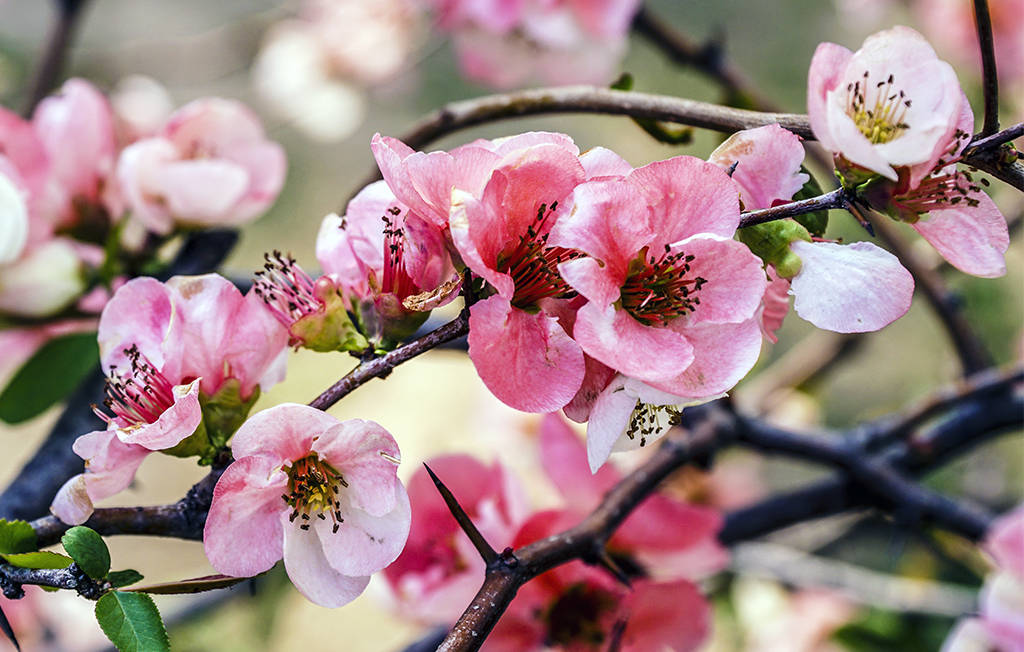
(90, 182)
(574, 607)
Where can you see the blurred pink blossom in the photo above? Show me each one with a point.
(320, 493)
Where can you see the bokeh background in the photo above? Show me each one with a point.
(436, 404)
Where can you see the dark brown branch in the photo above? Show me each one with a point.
(61, 35)
(71, 578)
(994, 141)
(382, 366)
(483, 548)
(969, 348)
(834, 199)
(983, 22)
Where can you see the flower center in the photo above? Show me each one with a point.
(878, 111)
(575, 617)
(285, 288)
(533, 265)
(941, 191)
(138, 397)
(313, 491)
(647, 421)
(396, 279)
(657, 290)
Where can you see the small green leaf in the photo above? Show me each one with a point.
(38, 560)
(815, 222)
(88, 550)
(48, 376)
(132, 622)
(194, 585)
(16, 536)
(125, 577)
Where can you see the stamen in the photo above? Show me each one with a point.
(396, 279)
(882, 118)
(137, 397)
(312, 485)
(940, 191)
(646, 421)
(657, 289)
(285, 288)
(533, 265)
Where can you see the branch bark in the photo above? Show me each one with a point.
(62, 33)
(990, 81)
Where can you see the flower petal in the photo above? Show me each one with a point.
(284, 432)
(367, 456)
(365, 544)
(312, 575)
(173, 425)
(826, 73)
(973, 239)
(690, 196)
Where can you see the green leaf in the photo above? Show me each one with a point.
(16, 536)
(815, 222)
(88, 550)
(38, 560)
(132, 622)
(194, 585)
(48, 376)
(125, 577)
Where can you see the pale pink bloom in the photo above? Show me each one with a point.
(320, 493)
(521, 351)
(891, 106)
(76, 126)
(210, 165)
(46, 279)
(672, 299)
(141, 106)
(164, 345)
(576, 607)
(393, 267)
(844, 288)
(688, 550)
(440, 571)
(13, 221)
(26, 163)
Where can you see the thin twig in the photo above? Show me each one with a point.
(983, 22)
(52, 61)
(382, 366)
(980, 144)
(834, 199)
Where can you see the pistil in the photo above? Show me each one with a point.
(658, 290)
(533, 265)
(313, 487)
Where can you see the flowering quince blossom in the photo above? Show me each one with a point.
(210, 164)
(321, 493)
(671, 298)
(895, 118)
(393, 267)
(13, 221)
(1001, 624)
(170, 348)
(439, 570)
(844, 288)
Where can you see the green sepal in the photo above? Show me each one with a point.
(770, 242)
(88, 550)
(815, 222)
(330, 328)
(223, 413)
(16, 537)
(39, 560)
(132, 622)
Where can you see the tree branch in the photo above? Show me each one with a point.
(834, 199)
(983, 23)
(61, 35)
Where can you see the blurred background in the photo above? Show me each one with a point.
(436, 403)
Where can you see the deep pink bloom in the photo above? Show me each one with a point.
(392, 266)
(439, 571)
(210, 164)
(891, 105)
(671, 297)
(164, 345)
(521, 351)
(844, 288)
(320, 493)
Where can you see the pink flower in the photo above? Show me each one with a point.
(165, 345)
(439, 571)
(950, 24)
(45, 280)
(210, 165)
(13, 221)
(844, 288)
(521, 351)
(891, 105)
(141, 106)
(393, 267)
(320, 493)
(672, 299)
(26, 163)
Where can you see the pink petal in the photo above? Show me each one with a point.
(673, 616)
(173, 425)
(609, 419)
(284, 432)
(312, 575)
(596, 377)
(564, 460)
(973, 239)
(365, 544)
(72, 504)
(691, 196)
(479, 234)
(618, 340)
(735, 279)
(593, 279)
(1005, 542)
(142, 312)
(767, 163)
(139, 170)
(849, 140)
(828, 67)
(540, 175)
(360, 450)
(723, 354)
(14, 222)
(243, 535)
(853, 288)
(600, 162)
(509, 144)
(203, 191)
(110, 468)
(526, 360)
(692, 525)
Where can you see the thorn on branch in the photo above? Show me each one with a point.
(476, 538)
